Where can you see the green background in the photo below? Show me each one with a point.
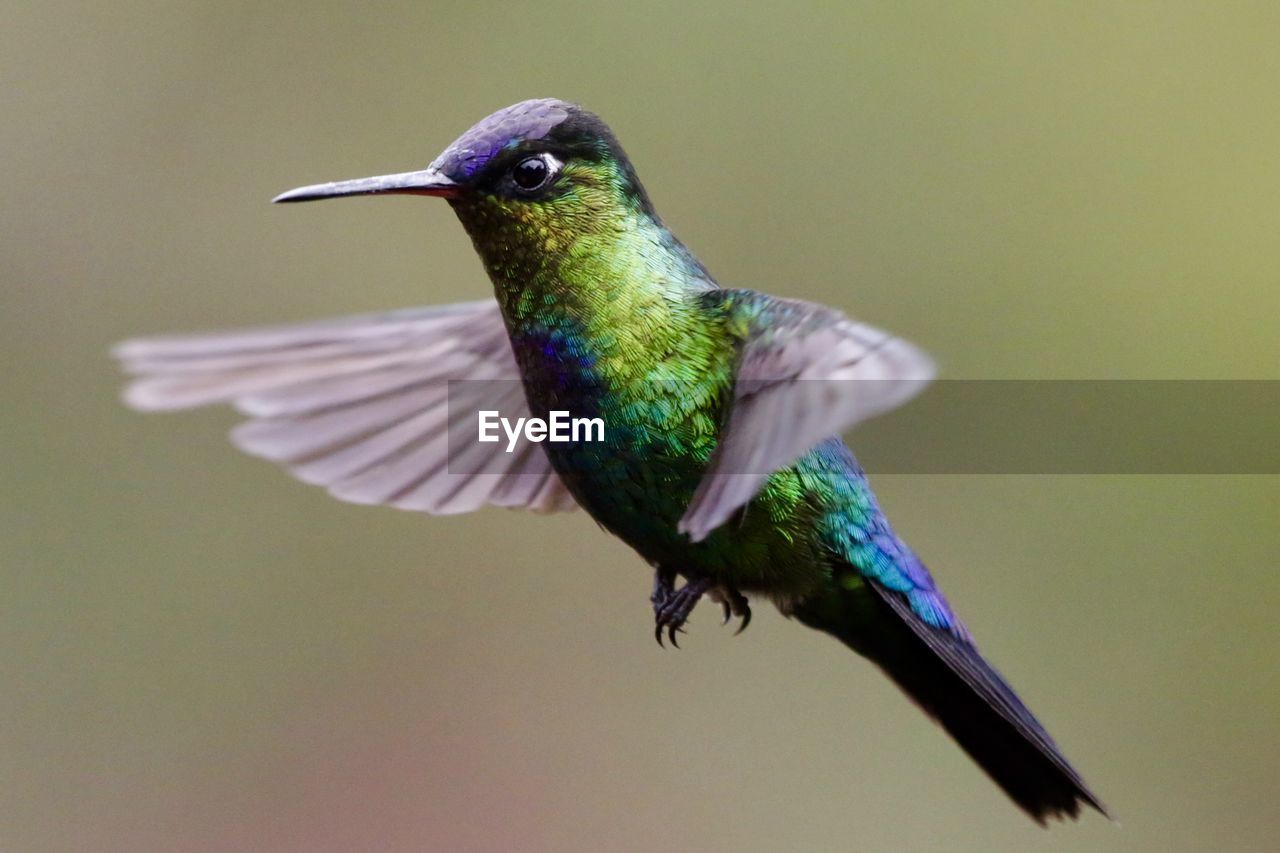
(198, 653)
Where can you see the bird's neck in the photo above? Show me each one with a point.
(616, 294)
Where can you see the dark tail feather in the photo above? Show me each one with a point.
(947, 677)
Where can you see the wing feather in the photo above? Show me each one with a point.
(360, 405)
(805, 373)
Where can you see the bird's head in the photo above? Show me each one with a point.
(537, 174)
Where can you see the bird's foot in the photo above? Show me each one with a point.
(664, 586)
(671, 606)
(734, 603)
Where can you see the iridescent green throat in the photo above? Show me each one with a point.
(595, 265)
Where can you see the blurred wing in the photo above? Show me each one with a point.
(806, 373)
(360, 404)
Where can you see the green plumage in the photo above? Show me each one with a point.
(610, 315)
(721, 461)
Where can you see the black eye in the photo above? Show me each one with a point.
(531, 173)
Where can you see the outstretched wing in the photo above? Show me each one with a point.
(360, 404)
(805, 373)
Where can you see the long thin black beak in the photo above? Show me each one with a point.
(426, 182)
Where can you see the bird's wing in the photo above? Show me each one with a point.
(805, 373)
(361, 404)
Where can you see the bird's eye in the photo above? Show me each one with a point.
(532, 173)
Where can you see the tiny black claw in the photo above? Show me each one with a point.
(671, 607)
(736, 603)
(727, 614)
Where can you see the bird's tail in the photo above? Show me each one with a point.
(947, 677)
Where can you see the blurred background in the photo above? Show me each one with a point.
(198, 653)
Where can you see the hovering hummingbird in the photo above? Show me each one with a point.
(721, 462)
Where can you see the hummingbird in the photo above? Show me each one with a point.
(721, 462)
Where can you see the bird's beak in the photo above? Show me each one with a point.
(425, 182)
